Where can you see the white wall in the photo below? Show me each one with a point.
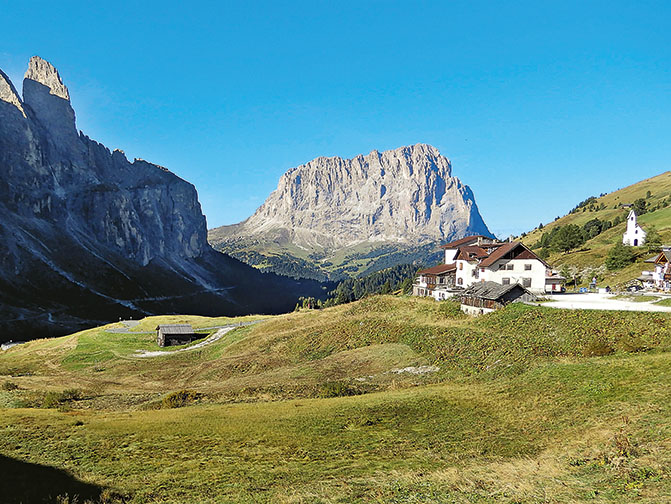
(494, 273)
(465, 273)
(634, 235)
(450, 254)
(475, 311)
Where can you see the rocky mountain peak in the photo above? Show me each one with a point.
(405, 195)
(8, 94)
(88, 237)
(42, 71)
(48, 101)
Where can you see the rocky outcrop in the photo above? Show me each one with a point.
(405, 196)
(89, 236)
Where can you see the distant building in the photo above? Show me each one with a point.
(175, 334)
(661, 277)
(477, 259)
(485, 297)
(438, 281)
(634, 235)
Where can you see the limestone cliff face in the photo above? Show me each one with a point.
(141, 210)
(88, 235)
(406, 195)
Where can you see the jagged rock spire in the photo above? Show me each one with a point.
(8, 93)
(42, 71)
(47, 100)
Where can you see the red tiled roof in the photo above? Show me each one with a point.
(499, 253)
(439, 270)
(475, 250)
(503, 250)
(463, 241)
(471, 252)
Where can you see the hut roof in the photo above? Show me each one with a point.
(491, 290)
(175, 328)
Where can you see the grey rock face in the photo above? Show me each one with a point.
(43, 72)
(139, 209)
(8, 94)
(406, 195)
(88, 236)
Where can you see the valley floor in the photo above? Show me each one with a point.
(530, 404)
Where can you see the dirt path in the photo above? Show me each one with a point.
(208, 341)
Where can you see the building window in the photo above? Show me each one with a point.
(526, 282)
(461, 265)
(482, 270)
(460, 281)
(527, 267)
(509, 266)
(505, 281)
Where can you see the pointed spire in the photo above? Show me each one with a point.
(44, 72)
(8, 93)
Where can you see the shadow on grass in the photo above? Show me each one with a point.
(23, 483)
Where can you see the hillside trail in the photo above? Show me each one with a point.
(208, 341)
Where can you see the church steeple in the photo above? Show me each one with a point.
(634, 235)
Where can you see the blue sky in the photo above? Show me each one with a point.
(537, 104)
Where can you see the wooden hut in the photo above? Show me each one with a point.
(485, 297)
(175, 334)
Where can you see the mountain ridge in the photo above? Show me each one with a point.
(90, 236)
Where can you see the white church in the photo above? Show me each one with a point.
(634, 235)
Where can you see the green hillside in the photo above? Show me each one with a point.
(283, 258)
(529, 404)
(656, 192)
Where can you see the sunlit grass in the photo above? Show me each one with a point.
(528, 402)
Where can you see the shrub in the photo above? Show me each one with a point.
(337, 389)
(53, 399)
(179, 399)
(619, 257)
(71, 395)
(50, 400)
(9, 386)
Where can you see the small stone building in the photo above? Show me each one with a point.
(175, 334)
(485, 297)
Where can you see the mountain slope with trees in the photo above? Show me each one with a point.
(583, 242)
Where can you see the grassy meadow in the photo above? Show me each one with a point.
(389, 399)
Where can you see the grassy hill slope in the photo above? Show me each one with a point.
(595, 251)
(324, 265)
(529, 404)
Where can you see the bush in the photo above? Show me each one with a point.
(619, 257)
(179, 399)
(337, 389)
(54, 399)
(9, 386)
